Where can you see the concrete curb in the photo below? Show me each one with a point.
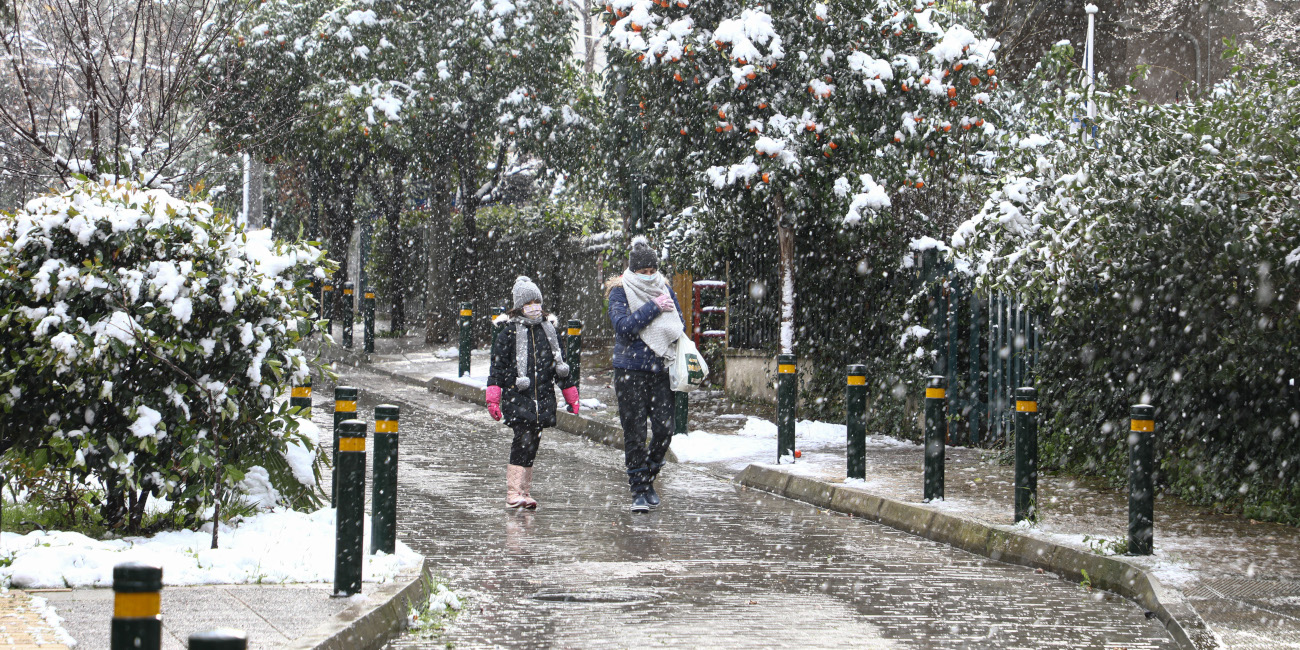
(1112, 574)
(370, 624)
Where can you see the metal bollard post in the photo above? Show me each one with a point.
(349, 522)
(137, 603)
(327, 307)
(300, 397)
(383, 487)
(787, 391)
(681, 408)
(574, 353)
(466, 336)
(1141, 491)
(222, 638)
(368, 309)
(855, 417)
(349, 305)
(1026, 422)
(935, 397)
(345, 408)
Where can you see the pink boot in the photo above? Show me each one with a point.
(515, 490)
(529, 501)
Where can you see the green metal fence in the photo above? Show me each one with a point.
(986, 346)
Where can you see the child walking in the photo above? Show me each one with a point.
(527, 364)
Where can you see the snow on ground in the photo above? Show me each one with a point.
(272, 547)
(592, 403)
(43, 609)
(755, 442)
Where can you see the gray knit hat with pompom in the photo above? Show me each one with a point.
(642, 255)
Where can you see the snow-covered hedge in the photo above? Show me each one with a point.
(145, 340)
(1166, 251)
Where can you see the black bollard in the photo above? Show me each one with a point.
(855, 417)
(1141, 497)
(383, 488)
(935, 397)
(345, 408)
(368, 336)
(349, 305)
(787, 392)
(137, 606)
(466, 336)
(1026, 423)
(327, 307)
(222, 638)
(574, 352)
(300, 397)
(349, 524)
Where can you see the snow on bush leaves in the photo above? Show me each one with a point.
(145, 340)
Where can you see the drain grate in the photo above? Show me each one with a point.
(599, 596)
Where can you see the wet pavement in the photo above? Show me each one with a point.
(716, 565)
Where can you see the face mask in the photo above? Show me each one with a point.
(645, 278)
(533, 311)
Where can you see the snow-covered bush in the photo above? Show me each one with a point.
(1166, 251)
(145, 340)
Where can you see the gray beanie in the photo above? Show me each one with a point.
(642, 256)
(525, 291)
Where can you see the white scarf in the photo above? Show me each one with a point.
(662, 333)
(523, 381)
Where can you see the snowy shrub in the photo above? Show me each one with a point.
(1166, 251)
(146, 340)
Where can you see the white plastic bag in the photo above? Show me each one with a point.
(687, 370)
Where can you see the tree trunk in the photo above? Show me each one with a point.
(785, 236)
(439, 302)
(393, 201)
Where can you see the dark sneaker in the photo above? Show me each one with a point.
(639, 504)
(652, 498)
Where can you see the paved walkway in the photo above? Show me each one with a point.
(271, 615)
(1242, 576)
(716, 566)
(23, 622)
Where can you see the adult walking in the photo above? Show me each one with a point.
(527, 364)
(647, 323)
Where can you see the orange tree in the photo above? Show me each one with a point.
(845, 129)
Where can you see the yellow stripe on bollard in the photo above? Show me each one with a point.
(344, 406)
(301, 391)
(1026, 407)
(352, 444)
(785, 368)
(467, 312)
(347, 292)
(935, 393)
(370, 294)
(385, 426)
(573, 331)
(137, 605)
(858, 380)
(1143, 425)
(329, 287)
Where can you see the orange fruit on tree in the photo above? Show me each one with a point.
(974, 81)
(765, 178)
(682, 131)
(952, 92)
(952, 103)
(958, 67)
(677, 76)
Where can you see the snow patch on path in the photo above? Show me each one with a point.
(275, 547)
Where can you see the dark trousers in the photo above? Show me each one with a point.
(644, 396)
(524, 448)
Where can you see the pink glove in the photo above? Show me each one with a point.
(571, 396)
(665, 302)
(494, 402)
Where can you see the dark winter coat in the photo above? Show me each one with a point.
(630, 352)
(537, 404)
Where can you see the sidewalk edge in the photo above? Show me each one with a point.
(1112, 574)
(601, 432)
(369, 625)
